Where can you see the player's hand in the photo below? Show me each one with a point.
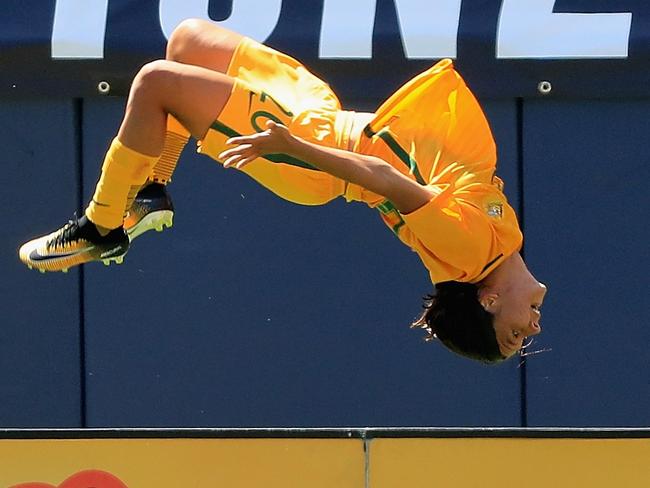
(275, 139)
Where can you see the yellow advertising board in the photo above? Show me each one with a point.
(344, 459)
(506, 463)
(182, 463)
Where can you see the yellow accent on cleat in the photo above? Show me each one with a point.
(158, 221)
(119, 260)
(106, 262)
(67, 247)
(42, 271)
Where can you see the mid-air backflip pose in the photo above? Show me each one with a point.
(425, 160)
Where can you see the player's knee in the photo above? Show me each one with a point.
(151, 79)
(186, 39)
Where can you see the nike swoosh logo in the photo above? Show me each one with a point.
(35, 256)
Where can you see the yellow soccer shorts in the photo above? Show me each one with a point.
(271, 85)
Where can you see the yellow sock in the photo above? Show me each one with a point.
(123, 168)
(175, 141)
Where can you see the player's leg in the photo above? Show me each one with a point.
(196, 42)
(200, 43)
(195, 96)
(203, 43)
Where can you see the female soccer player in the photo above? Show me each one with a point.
(425, 160)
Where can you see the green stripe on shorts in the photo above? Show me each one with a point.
(274, 158)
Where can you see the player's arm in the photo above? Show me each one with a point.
(369, 172)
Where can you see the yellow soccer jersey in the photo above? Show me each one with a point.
(434, 130)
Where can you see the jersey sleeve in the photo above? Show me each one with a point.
(451, 230)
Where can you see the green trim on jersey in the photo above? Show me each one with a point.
(386, 208)
(385, 135)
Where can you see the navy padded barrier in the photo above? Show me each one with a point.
(39, 339)
(252, 311)
(502, 117)
(586, 197)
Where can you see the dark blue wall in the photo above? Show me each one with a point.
(40, 375)
(252, 311)
(586, 212)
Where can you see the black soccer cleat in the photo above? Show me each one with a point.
(151, 209)
(75, 243)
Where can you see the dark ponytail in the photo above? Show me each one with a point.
(454, 316)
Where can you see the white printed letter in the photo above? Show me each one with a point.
(253, 18)
(79, 29)
(530, 29)
(428, 31)
(346, 29)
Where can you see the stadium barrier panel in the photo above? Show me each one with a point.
(354, 458)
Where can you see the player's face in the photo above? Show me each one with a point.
(518, 315)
